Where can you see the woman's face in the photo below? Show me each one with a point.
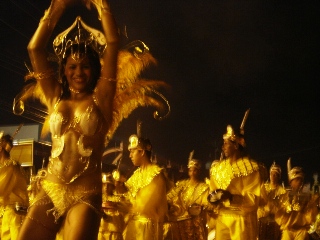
(78, 74)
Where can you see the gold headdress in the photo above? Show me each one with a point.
(193, 162)
(276, 168)
(136, 142)
(238, 138)
(295, 172)
(79, 33)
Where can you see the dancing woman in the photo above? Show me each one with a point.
(79, 100)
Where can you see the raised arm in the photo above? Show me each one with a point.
(37, 50)
(107, 82)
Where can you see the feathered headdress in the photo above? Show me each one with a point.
(133, 91)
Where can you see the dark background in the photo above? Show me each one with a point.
(220, 58)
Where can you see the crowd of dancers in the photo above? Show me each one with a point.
(235, 202)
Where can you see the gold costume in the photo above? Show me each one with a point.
(112, 225)
(268, 228)
(64, 197)
(237, 219)
(183, 199)
(112, 221)
(13, 192)
(147, 194)
(297, 211)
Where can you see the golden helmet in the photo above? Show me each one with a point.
(193, 162)
(234, 137)
(275, 168)
(294, 172)
(139, 143)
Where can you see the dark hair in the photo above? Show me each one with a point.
(8, 140)
(145, 144)
(94, 60)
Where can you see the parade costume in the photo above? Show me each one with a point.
(188, 201)
(13, 196)
(112, 222)
(131, 92)
(141, 226)
(270, 194)
(241, 179)
(297, 209)
(147, 188)
(235, 183)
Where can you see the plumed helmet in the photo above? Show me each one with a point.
(275, 168)
(136, 142)
(192, 162)
(295, 172)
(234, 137)
(231, 135)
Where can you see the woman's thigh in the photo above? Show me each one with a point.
(39, 224)
(81, 222)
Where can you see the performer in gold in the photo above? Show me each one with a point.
(94, 89)
(298, 209)
(112, 222)
(235, 184)
(270, 193)
(80, 112)
(187, 202)
(147, 194)
(13, 191)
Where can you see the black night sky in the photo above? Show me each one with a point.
(220, 58)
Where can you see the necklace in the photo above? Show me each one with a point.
(73, 90)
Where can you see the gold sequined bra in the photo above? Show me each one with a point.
(85, 124)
